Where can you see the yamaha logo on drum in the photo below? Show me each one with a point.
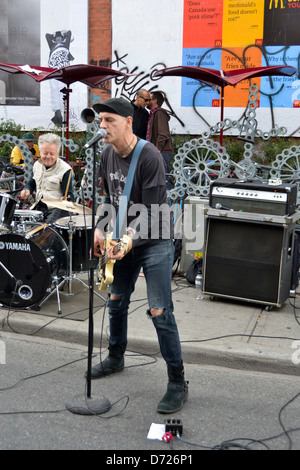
(14, 246)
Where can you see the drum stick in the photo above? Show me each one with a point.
(37, 229)
(69, 180)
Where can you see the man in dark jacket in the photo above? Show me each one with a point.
(140, 114)
(158, 131)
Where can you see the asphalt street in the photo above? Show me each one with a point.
(242, 363)
(226, 408)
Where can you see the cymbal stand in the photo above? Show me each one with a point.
(66, 101)
(58, 283)
(71, 231)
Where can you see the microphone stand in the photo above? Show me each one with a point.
(86, 404)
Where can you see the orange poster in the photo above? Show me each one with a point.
(243, 22)
(238, 96)
(202, 23)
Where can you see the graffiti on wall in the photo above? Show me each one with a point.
(127, 87)
(198, 95)
(274, 92)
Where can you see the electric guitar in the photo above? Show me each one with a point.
(106, 264)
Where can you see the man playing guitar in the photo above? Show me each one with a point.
(151, 248)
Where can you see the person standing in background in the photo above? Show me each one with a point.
(158, 131)
(140, 114)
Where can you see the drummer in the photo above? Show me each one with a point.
(51, 179)
(16, 157)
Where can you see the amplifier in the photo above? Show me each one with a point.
(248, 260)
(253, 196)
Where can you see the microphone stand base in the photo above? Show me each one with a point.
(82, 405)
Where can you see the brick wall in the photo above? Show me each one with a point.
(99, 40)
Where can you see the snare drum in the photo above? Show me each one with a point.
(26, 217)
(29, 264)
(7, 209)
(81, 241)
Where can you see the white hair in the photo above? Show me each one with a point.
(50, 139)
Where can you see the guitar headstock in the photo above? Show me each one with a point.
(130, 232)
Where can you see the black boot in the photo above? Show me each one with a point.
(114, 362)
(176, 393)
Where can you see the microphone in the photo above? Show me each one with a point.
(100, 134)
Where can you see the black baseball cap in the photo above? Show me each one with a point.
(115, 105)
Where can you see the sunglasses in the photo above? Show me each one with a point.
(146, 99)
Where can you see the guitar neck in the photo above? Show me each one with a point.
(105, 258)
(117, 248)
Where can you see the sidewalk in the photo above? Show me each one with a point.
(216, 332)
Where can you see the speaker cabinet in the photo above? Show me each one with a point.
(248, 260)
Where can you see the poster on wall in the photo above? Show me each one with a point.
(219, 35)
(48, 34)
(20, 43)
(236, 34)
(281, 23)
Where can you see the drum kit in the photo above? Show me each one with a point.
(36, 258)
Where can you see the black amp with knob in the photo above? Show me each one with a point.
(253, 196)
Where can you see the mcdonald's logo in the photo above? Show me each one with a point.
(276, 4)
(218, 42)
(296, 104)
(215, 103)
(258, 42)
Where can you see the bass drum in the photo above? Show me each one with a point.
(29, 264)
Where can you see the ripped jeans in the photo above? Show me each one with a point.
(156, 259)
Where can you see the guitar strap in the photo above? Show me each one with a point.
(127, 189)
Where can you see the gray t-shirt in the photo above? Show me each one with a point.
(148, 211)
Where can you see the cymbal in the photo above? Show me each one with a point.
(68, 206)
